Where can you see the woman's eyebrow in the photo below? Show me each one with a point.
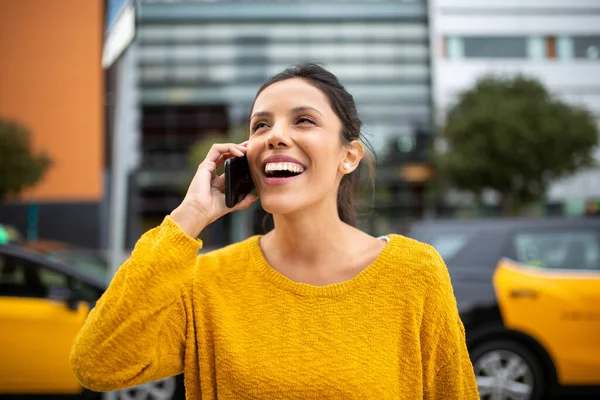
(294, 110)
(261, 114)
(306, 108)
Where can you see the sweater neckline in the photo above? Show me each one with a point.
(385, 257)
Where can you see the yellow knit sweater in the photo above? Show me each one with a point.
(238, 329)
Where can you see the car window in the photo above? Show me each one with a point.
(19, 280)
(84, 291)
(50, 278)
(22, 278)
(88, 264)
(448, 245)
(572, 250)
(11, 275)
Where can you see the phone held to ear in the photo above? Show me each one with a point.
(238, 181)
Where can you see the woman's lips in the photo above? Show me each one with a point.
(280, 158)
(286, 161)
(280, 181)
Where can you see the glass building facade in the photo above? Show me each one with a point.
(200, 64)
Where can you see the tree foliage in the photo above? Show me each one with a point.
(201, 147)
(20, 168)
(509, 134)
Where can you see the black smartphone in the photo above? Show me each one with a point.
(238, 181)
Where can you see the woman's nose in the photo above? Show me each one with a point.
(278, 138)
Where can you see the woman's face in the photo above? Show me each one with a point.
(295, 152)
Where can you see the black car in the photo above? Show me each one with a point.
(528, 292)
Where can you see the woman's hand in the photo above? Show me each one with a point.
(204, 202)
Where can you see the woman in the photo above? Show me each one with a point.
(314, 309)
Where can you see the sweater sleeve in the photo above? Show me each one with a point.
(447, 369)
(136, 332)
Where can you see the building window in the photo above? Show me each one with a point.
(454, 47)
(536, 48)
(564, 48)
(581, 47)
(495, 47)
(532, 48)
(587, 47)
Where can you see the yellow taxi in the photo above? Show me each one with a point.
(528, 291)
(43, 304)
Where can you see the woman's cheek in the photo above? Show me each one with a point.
(252, 150)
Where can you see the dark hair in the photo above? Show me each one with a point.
(344, 107)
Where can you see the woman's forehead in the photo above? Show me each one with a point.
(290, 94)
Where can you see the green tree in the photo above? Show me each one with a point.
(510, 135)
(20, 168)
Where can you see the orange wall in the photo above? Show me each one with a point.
(51, 81)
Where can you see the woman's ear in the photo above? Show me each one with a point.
(354, 152)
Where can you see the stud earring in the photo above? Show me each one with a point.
(346, 166)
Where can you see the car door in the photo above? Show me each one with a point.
(37, 331)
(552, 293)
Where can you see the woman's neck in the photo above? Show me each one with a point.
(310, 236)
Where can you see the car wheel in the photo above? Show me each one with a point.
(164, 389)
(506, 370)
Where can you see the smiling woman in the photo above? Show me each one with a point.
(330, 108)
(313, 309)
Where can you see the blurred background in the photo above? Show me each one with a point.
(483, 116)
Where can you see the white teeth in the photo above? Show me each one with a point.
(285, 166)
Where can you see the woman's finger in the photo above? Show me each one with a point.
(219, 163)
(246, 202)
(218, 182)
(213, 166)
(218, 149)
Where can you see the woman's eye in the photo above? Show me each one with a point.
(304, 120)
(258, 125)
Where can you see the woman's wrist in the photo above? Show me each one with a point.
(189, 220)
